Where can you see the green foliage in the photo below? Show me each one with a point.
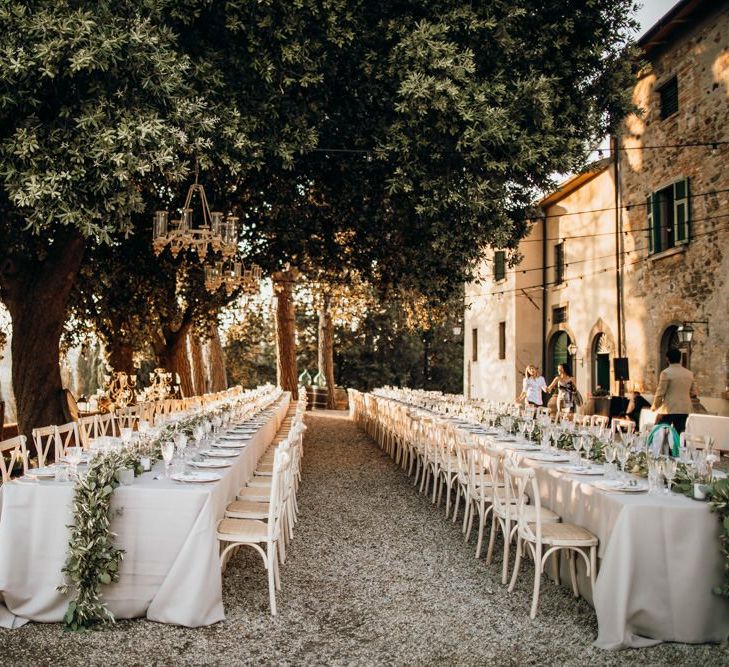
(719, 503)
(250, 352)
(93, 559)
(461, 113)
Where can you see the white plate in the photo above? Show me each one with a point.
(519, 447)
(505, 439)
(618, 486)
(549, 458)
(220, 453)
(582, 470)
(249, 431)
(230, 444)
(236, 437)
(82, 461)
(42, 473)
(195, 477)
(211, 463)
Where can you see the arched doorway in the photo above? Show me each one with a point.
(558, 353)
(600, 363)
(669, 341)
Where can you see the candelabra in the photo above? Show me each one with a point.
(121, 389)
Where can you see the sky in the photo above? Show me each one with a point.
(651, 11)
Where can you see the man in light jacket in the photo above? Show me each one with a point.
(676, 388)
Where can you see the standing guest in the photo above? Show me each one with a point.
(676, 389)
(635, 406)
(532, 387)
(566, 389)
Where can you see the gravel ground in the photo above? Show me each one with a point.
(375, 575)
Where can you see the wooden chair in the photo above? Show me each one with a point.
(599, 420)
(104, 425)
(622, 425)
(504, 511)
(259, 535)
(66, 436)
(128, 417)
(535, 534)
(15, 450)
(60, 438)
(86, 430)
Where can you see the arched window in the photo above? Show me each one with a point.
(669, 341)
(600, 363)
(558, 352)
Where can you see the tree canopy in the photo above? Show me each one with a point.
(388, 140)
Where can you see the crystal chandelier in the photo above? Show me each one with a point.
(217, 232)
(232, 275)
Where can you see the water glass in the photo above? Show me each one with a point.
(655, 479)
(168, 451)
(577, 444)
(610, 454)
(622, 454)
(670, 466)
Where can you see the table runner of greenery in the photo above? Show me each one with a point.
(717, 491)
(93, 559)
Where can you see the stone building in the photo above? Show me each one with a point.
(680, 233)
(599, 281)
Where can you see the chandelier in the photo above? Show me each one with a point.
(217, 232)
(232, 275)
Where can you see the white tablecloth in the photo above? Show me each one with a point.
(170, 572)
(659, 560)
(716, 427)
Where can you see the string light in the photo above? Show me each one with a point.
(598, 271)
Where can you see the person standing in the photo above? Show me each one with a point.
(532, 387)
(566, 389)
(676, 389)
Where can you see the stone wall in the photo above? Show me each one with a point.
(689, 282)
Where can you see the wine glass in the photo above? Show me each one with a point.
(73, 454)
(711, 456)
(168, 451)
(523, 426)
(610, 453)
(622, 453)
(586, 446)
(180, 443)
(670, 467)
(577, 444)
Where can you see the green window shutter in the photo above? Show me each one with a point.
(681, 211)
(651, 231)
(656, 222)
(499, 265)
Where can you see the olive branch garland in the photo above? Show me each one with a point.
(93, 560)
(717, 494)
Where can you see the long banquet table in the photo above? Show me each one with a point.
(659, 560)
(659, 556)
(170, 572)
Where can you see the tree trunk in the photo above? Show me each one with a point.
(121, 357)
(426, 359)
(173, 357)
(217, 374)
(36, 294)
(285, 332)
(198, 367)
(326, 348)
